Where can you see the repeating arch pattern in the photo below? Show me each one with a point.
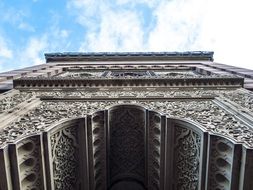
(129, 147)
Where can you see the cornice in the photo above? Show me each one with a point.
(24, 83)
(129, 56)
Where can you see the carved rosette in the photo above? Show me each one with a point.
(187, 145)
(64, 147)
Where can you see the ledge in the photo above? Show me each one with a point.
(129, 56)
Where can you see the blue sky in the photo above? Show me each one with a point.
(29, 28)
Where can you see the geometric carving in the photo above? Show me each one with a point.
(126, 145)
(187, 145)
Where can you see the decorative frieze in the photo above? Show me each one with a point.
(10, 100)
(213, 118)
(241, 97)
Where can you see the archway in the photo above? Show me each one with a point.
(126, 147)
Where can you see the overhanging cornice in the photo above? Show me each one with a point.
(129, 56)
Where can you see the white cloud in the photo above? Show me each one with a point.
(5, 51)
(85, 7)
(64, 33)
(119, 31)
(26, 27)
(177, 25)
(32, 54)
(109, 28)
(150, 3)
(226, 30)
(181, 25)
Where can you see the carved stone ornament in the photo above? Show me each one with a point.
(186, 174)
(210, 115)
(126, 145)
(64, 157)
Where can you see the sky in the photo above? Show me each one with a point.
(30, 28)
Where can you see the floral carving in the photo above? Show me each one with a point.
(65, 158)
(206, 112)
(241, 97)
(10, 101)
(132, 74)
(186, 158)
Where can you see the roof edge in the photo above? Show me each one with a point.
(128, 56)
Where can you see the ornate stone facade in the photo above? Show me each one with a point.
(129, 124)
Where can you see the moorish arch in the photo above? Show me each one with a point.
(126, 147)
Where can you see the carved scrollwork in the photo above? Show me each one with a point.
(65, 158)
(186, 158)
(10, 101)
(207, 113)
(79, 74)
(133, 74)
(241, 97)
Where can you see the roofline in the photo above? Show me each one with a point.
(129, 56)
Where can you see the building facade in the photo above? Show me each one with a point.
(128, 121)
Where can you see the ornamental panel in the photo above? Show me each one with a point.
(66, 157)
(127, 144)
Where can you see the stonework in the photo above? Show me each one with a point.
(127, 124)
